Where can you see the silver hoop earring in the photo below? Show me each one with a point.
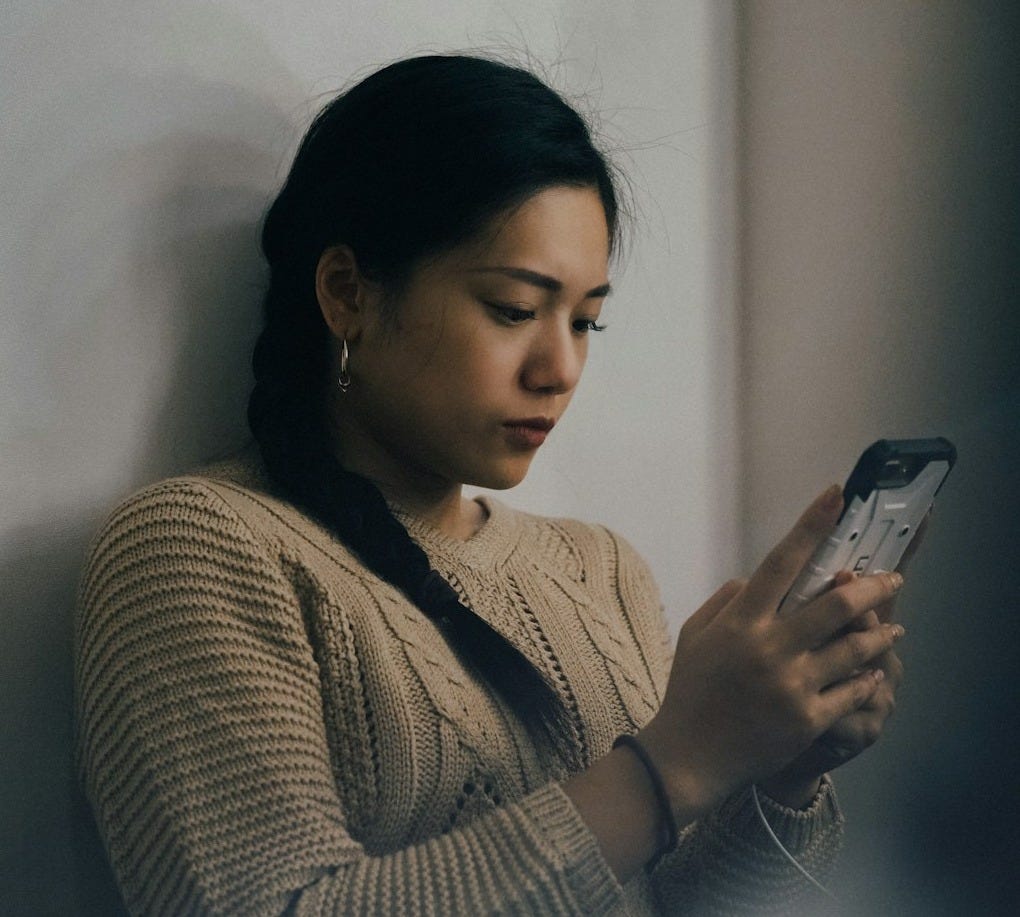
(344, 379)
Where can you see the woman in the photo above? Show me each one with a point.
(317, 679)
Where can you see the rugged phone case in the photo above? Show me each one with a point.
(885, 499)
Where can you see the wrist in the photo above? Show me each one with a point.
(617, 800)
(668, 830)
(692, 791)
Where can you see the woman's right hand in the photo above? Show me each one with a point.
(750, 690)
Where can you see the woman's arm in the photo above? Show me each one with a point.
(726, 853)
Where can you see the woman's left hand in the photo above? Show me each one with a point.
(796, 784)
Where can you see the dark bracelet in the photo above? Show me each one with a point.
(661, 796)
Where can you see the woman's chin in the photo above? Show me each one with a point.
(502, 477)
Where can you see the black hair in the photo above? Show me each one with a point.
(412, 161)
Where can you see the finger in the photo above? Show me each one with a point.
(773, 578)
(841, 578)
(859, 649)
(892, 665)
(845, 698)
(866, 621)
(880, 701)
(886, 611)
(823, 618)
(884, 699)
(719, 600)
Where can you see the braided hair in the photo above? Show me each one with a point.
(407, 164)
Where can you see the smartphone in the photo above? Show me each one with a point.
(886, 497)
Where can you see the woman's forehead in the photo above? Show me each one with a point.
(559, 234)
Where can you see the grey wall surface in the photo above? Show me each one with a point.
(881, 248)
(140, 143)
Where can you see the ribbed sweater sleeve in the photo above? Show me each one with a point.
(203, 750)
(726, 864)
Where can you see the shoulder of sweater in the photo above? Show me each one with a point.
(232, 495)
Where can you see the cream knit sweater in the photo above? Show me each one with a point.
(264, 724)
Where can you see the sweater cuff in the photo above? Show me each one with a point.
(796, 828)
(585, 869)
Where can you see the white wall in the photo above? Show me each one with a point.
(140, 143)
(881, 247)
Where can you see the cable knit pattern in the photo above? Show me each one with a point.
(263, 724)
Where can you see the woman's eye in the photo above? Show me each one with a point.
(585, 325)
(511, 315)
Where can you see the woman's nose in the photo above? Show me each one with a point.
(555, 360)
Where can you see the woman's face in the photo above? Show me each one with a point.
(460, 379)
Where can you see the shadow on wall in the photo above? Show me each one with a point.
(151, 376)
(213, 270)
(50, 830)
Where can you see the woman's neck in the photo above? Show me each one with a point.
(452, 513)
(439, 503)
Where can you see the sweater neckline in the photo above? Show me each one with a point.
(491, 544)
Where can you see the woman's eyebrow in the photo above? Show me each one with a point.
(544, 281)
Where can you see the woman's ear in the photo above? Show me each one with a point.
(342, 292)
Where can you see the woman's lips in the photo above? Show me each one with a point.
(528, 433)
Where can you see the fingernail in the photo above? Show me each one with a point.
(878, 674)
(897, 580)
(898, 630)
